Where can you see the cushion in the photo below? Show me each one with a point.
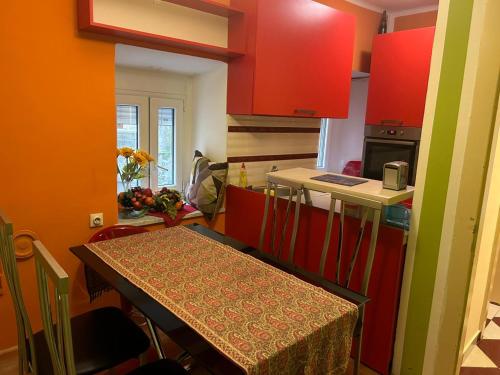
(207, 185)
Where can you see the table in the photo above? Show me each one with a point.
(186, 337)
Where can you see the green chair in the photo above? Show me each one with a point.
(105, 337)
(26, 343)
(94, 333)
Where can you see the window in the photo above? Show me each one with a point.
(323, 138)
(153, 124)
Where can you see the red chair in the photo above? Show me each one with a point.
(352, 168)
(96, 285)
(116, 231)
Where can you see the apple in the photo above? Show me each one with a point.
(134, 200)
(149, 201)
(147, 192)
(137, 206)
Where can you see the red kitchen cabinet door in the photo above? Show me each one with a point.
(298, 61)
(398, 77)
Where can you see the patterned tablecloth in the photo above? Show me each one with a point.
(263, 319)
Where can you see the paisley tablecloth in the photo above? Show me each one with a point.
(263, 319)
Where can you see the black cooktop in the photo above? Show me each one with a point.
(339, 180)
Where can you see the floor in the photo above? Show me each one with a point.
(484, 358)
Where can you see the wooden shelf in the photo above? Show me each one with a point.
(208, 6)
(148, 40)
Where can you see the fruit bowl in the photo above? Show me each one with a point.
(131, 213)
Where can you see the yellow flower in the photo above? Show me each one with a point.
(147, 156)
(140, 159)
(126, 152)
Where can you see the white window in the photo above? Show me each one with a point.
(323, 137)
(155, 125)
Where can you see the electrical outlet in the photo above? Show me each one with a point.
(96, 220)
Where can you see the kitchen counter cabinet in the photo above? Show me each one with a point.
(298, 59)
(244, 210)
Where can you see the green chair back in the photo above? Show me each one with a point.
(27, 355)
(57, 326)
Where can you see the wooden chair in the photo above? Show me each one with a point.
(88, 343)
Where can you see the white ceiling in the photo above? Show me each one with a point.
(396, 5)
(144, 58)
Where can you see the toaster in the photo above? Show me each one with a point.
(395, 175)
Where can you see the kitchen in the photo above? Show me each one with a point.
(365, 109)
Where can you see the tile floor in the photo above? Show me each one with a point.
(484, 358)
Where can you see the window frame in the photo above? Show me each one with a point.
(148, 130)
(155, 103)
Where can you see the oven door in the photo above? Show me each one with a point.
(378, 151)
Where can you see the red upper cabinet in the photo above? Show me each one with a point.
(298, 59)
(398, 77)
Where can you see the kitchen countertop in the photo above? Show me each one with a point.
(372, 189)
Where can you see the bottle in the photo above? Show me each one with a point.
(382, 29)
(243, 176)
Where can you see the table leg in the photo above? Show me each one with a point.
(295, 225)
(328, 233)
(275, 219)
(358, 245)
(340, 241)
(357, 357)
(264, 218)
(285, 225)
(307, 197)
(155, 339)
(371, 251)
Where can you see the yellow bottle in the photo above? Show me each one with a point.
(243, 176)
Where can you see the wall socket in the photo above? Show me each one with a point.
(96, 220)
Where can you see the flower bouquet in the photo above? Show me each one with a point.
(131, 202)
(135, 202)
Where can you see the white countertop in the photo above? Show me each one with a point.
(372, 189)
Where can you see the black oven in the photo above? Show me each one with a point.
(384, 144)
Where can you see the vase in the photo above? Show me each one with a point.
(126, 185)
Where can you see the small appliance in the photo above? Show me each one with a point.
(395, 175)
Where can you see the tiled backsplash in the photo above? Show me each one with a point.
(258, 142)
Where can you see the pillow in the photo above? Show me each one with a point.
(207, 185)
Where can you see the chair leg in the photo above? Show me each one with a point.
(357, 358)
(156, 340)
(143, 358)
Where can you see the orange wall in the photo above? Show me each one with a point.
(58, 136)
(57, 141)
(367, 23)
(415, 21)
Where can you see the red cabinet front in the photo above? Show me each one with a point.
(298, 61)
(398, 77)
